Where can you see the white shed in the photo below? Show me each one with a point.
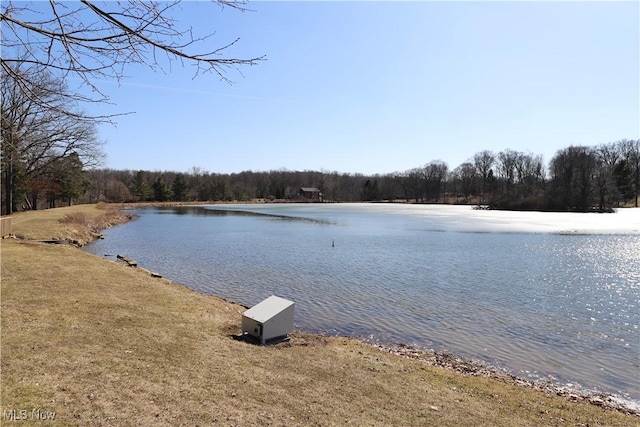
(271, 318)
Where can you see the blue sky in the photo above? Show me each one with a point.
(379, 87)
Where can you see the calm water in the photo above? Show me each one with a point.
(545, 296)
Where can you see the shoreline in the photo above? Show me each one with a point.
(467, 367)
(444, 360)
(459, 363)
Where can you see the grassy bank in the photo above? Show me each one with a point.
(79, 224)
(99, 343)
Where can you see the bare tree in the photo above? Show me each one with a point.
(466, 173)
(573, 172)
(116, 191)
(631, 152)
(607, 157)
(530, 173)
(507, 161)
(96, 41)
(40, 125)
(435, 173)
(483, 161)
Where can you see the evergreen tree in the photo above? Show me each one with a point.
(161, 191)
(623, 177)
(71, 178)
(140, 187)
(180, 188)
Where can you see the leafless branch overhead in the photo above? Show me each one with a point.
(96, 41)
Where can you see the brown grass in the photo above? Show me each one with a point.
(78, 218)
(99, 344)
(80, 224)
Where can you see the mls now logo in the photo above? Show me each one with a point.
(15, 414)
(23, 414)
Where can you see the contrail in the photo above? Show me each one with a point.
(197, 91)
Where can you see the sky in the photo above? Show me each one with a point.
(382, 87)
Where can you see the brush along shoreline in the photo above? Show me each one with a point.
(318, 344)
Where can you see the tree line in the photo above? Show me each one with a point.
(578, 178)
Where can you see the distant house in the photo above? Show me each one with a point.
(310, 193)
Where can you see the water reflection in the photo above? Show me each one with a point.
(213, 211)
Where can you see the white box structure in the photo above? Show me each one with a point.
(271, 318)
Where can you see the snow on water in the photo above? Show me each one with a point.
(465, 218)
(468, 219)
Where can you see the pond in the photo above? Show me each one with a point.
(545, 296)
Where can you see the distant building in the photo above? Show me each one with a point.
(310, 193)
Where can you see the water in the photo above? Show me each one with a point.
(545, 296)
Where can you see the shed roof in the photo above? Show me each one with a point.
(266, 309)
(310, 189)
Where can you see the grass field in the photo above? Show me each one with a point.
(99, 343)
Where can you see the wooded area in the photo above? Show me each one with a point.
(577, 178)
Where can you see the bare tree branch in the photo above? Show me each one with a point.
(95, 42)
